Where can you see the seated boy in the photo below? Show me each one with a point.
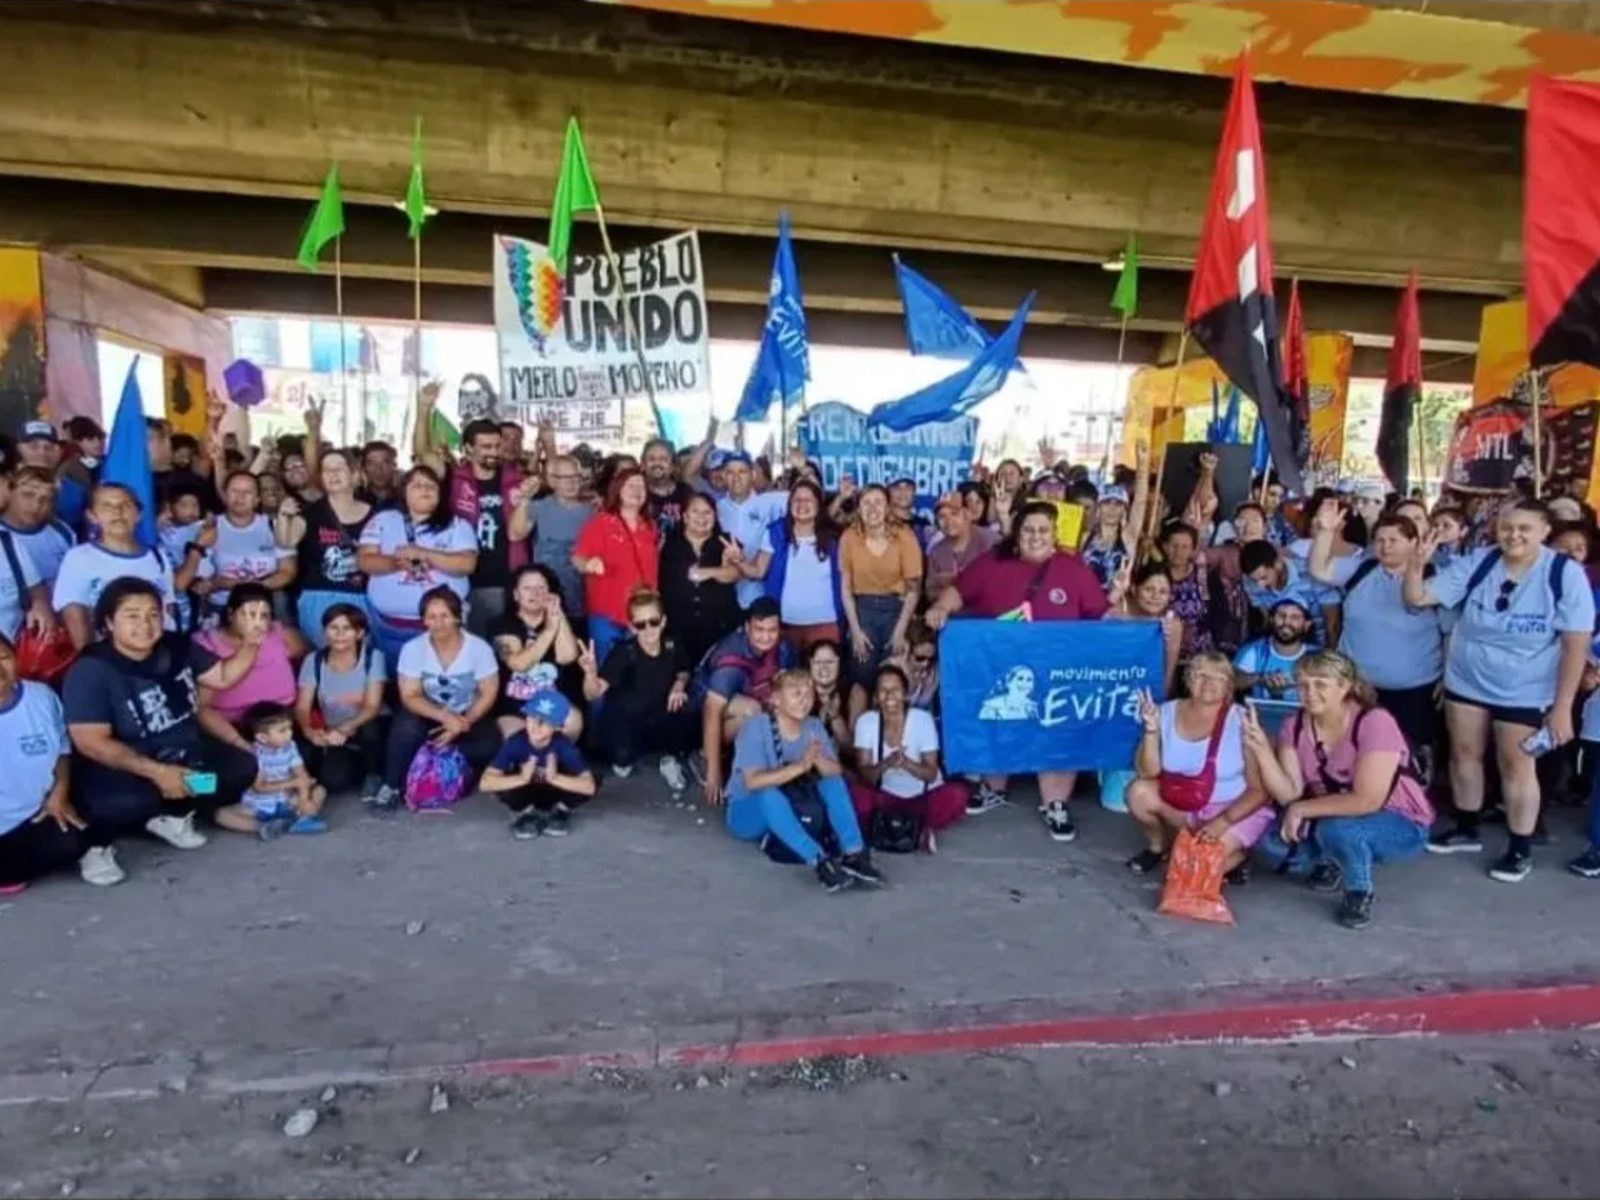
(539, 774)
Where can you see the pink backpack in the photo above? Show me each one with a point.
(438, 778)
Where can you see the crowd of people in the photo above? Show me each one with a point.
(312, 623)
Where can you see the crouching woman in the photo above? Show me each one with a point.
(777, 755)
(1343, 772)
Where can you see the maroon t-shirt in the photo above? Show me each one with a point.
(1069, 590)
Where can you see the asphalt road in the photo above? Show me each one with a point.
(1510, 1116)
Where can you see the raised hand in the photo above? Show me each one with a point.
(732, 552)
(587, 659)
(1330, 517)
(207, 537)
(1149, 712)
(1048, 454)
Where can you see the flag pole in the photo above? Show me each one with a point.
(416, 331)
(1422, 443)
(1538, 441)
(338, 308)
(1161, 467)
(636, 337)
(1122, 341)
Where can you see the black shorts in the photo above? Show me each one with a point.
(1502, 714)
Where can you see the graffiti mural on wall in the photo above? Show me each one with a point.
(22, 389)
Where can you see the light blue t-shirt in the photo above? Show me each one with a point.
(33, 736)
(1511, 657)
(1261, 657)
(753, 750)
(1393, 645)
(1301, 588)
(48, 544)
(746, 521)
(14, 591)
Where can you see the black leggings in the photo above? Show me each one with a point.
(540, 796)
(115, 802)
(35, 849)
(409, 731)
(345, 768)
(1416, 711)
(624, 736)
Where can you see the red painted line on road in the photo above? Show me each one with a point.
(1490, 1011)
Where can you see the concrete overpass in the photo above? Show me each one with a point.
(180, 144)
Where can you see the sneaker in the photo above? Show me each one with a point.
(1356, 910)
(1587, 864)
(1326, 877)
(386, 799)
(270, 829)
(1239, 876)
(831, 876)
(984, 799)
(1146, 861)
(620, 771)
(1059, 822)
(99, 866)
(1457, 840)
(177, 832)
(1512, 866)
(556, 824)
(308, 825)
(859, 867)
(527, 825)
(673, 775)
(697, 767)
(370, 789)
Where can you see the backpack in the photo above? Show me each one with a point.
(809, 810)
(1558, 571)
(438, 778)
(41, 658)
(1368, 565)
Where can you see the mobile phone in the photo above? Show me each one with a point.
(200, 783)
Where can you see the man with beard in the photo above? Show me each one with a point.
(381, 471)
(1264, 668)
(489, 495)
(665, 494)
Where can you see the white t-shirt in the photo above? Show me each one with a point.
(87, 569)
(450, 687)
(33, 736)
(14, 592)
(399, 593)
(807, 584)
(920, 740)
(243, 554)
(1183, 757)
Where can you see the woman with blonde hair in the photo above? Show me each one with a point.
(1343, 774)
(1193, 770)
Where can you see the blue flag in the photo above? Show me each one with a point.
(935, 323)
(128, 454)
(1261, 460)
(783, 362)
(956, 395)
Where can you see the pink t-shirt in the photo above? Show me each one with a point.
(271, 680)
(1067, 591)
(1378, 732)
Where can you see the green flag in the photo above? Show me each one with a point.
(326, 223)
(575, 192)
(1126, 298)
(415, 204)
(441, 432)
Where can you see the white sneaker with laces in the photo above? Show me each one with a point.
(99, 866)
(673, 775)
(177, 832)
(621, 772)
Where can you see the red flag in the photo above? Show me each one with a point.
(1297, 377)
(1561, 222)
(1401, 390)
(1231, 310)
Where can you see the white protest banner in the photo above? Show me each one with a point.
(565, 351)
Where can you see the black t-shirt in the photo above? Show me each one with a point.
(149, 704)
(639, 684)
(699, 613)
(517, 686)
(328, 561)
(494, 559)
(666, 510)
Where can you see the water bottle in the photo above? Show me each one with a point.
(1539, 742)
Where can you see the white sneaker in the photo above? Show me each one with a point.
(99, 866)
(621, 772)
(674, 776)
(178, 832)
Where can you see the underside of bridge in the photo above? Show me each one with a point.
(180, 144)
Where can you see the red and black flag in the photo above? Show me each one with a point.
(1231, 309)
(1401, 390)
(1297, 378)
(1561, 222)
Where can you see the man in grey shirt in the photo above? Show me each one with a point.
(557, 518)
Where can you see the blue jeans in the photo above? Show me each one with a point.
(878, 616)
(311, 606)
(390, 638)
(1594, 803)
(1355, 843)
(769, 811)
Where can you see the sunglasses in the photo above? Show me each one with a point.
(648, 623)
(1503, 601)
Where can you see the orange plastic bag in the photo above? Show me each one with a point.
(1194, 881)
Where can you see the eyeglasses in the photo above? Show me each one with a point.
(1503, 601)
(648, 623)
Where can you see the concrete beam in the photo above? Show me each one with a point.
(188, 230)
(940, 150)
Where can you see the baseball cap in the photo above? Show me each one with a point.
(1111, 492)
(949, 500)
(37, 431)
(1367, 491)
(737, 456)
(549, 705)
(1291, 602)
